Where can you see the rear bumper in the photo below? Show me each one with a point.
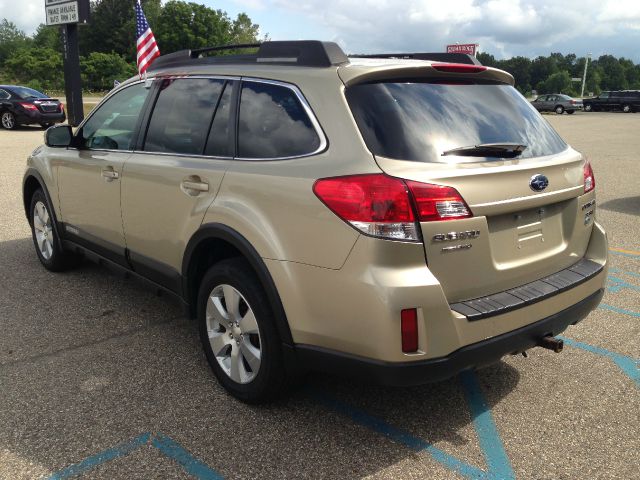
(478, 354)
(40, 117)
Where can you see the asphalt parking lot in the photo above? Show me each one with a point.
(102, 378)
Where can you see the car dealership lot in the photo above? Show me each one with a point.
(100, 376)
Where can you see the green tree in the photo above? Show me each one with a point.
(184, 25)
(559, 82)
(11, 39)
(36, 64)
(48, 37)
(99, 70)
(113, 26)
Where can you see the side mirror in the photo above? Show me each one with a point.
(58, 136)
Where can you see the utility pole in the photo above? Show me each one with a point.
(584, 75)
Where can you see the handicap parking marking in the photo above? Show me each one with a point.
(166, 445)
(498, 464)
(629, 366)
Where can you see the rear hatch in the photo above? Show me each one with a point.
(517, 231)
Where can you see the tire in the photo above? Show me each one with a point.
(588, 107)
(559, 109)
(571, 112)
(8, 120)
(248, 360)
(44, 235)
(626, 108)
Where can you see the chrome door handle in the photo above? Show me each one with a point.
(110, 174)
(195, 186)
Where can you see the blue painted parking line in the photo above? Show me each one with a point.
(625, 253)
(616, 284)
(499, 466)
(102, 457)
(164, 444)
(624, 311)
(488, 436)
(189, 463)
(629, 366)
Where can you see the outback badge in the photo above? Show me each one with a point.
(538, 182)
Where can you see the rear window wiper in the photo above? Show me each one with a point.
(501, 150)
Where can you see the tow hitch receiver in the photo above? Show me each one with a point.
(551, 343)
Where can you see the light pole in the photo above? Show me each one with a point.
(584, 75)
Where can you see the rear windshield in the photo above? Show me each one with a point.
(419, 121)
(26, 92)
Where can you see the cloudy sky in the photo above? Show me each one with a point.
(502, 27)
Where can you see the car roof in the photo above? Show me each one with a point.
(301, 61)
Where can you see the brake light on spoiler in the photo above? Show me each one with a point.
(458, 68)
(389, 207)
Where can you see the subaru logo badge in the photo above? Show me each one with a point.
(538, 182)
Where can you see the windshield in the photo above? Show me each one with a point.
(26, 92)
(422, 121)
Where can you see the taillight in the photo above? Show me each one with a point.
(458, 68)
(28, 106)
(388, 207)
(437, 202)
(409, 330)
(61, 107)
(375, 204)
(589, 178)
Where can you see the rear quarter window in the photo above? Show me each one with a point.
(273, 123)
(419, 121)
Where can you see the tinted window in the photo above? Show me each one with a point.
(420, 121)
(604, 95)
(182, 115)
(112, 125)
(4, 94)
(25, 92)
(273, 123)
(219, 144)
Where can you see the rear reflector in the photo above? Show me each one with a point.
(388, 207)
(589, 178)
(458, 68)
(409, 329)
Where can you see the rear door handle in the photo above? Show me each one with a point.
(110, 174)
(195, 186)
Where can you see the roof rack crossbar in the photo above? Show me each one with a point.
(433, 56)
(301, 53)
(195, 53)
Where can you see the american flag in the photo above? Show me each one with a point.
(147, 47)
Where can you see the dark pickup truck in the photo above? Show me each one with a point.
(623, 100)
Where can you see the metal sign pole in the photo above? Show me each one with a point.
(72, 80)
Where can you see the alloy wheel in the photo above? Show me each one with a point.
(43, 230)
(8, 120)
(233, 333)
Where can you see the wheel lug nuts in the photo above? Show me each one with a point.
(231, 335)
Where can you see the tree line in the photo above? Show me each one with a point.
(108, 43)
(554, 74)
(107, 49)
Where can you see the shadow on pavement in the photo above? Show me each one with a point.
(628, 205)
(89, 360)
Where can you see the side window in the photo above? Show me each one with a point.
(273, 123)
(182, 115)
(219, 144)
(4, 94)
(111, 127)
(604, 95)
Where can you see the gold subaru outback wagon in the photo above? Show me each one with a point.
(395, 218)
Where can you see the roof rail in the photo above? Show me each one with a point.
(302, 53)
(435, 56)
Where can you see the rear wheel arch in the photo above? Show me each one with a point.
(214, 242)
